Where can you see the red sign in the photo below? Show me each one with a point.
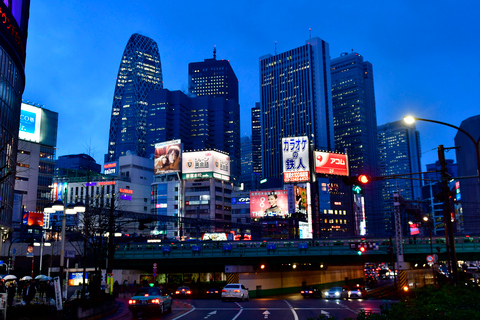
(126, 191)
(331, 163)
(110, 165)
(296, 176)
(414, 229)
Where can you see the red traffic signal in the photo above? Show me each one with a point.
(363, 178)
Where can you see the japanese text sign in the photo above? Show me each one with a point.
(296, 166)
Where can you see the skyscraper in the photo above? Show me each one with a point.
(256, 140)
(354, 119)
(296, 100)
(399, 153)
(140, 72)
(216, 122)
(467, 167)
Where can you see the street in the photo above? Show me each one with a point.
(285, 307)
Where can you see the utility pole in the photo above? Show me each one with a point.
(447, 217)
(111, 247)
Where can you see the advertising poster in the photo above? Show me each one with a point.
(296, 165)
(33, 218)
(168, 157)
(58, 293)
(331, 163)
(269, 204)
(30, 117)
(206, 164)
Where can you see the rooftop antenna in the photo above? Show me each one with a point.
(275, 47)
(310, 32)
(215, 52)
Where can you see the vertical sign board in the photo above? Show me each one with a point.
(3, 305)
(296, 165)
(110, 282)
(58, 293)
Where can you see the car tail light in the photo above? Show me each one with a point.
(156, 301)
(224, 290)
(146, 294)
(177, 292)
(132, 301)
(302, 291)
(189, 292)
(236, 291)
(216, 291)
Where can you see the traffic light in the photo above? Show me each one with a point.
(361, 249)
(357, 180)
(364, 178)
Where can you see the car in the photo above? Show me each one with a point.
(213, 293)
(183, 292)
(312, 292)
(357, 292)
(337, 293)
(150, 299)
(235, 291)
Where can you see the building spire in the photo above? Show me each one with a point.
(215, 52)
(275, 47)
(310, 32)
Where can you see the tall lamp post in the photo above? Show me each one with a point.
(447, 218)
(58, 205)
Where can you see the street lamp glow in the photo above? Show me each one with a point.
(409, 119)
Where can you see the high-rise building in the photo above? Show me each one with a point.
(295, 100)
(76, 164)
(355, 121)
(140, 72)
(468, 167)
(216, 123)
(256, 140)
(13, 42)
(399, 153)
(36, 158)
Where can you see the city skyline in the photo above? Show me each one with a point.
(416, 70)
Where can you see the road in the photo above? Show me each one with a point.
(285, 307)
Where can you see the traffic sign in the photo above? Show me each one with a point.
(430, 258)
(154, 265)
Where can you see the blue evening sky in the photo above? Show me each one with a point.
(424, 55)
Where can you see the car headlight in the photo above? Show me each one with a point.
(337, 294)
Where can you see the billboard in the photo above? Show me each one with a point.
(206, 164)
(30, 119)
(296, 165)
(110, 168)
(32, 218)
(331, 163)
(168, 157)
(269, 204)
(14, 24)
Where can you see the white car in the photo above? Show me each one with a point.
(337, 293)
(235, 291)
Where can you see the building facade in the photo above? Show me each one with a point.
(140, 72)
(399, 153)
(256, 140)
(12, 76)
(355, 122)
(76, 162)
(468, 167)
(295, 100)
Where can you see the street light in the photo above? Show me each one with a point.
(71, 208)
(446, 211)
(411, 119)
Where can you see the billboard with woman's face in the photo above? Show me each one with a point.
(168, 157)
(269, 204)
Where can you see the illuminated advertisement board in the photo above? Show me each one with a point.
(206, 164)
(110, 168)
(331, 163)
(168, 157)
(414, 229)
(296, 165)
(13, 25)
(30, 119)
(32, 218)
(215, 236)
(269, 204)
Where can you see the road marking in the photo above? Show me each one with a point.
(295, 316)
(265, 314)
(210, 314)
(181, 316)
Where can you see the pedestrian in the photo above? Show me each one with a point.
(29, 293)
(11, 293)
(2, 287)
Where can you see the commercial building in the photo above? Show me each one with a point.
(140, 72)
(76, 164)
(399, 153)
(36, 158)
(13, 43)
(355, 123)
(468, 167)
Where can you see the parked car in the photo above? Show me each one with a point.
(357, 292)
(150, 299)
(337, 293)
(235, 291)
(312, 292)
(183, 292)
(213, 293)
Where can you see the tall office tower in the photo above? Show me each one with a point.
(399, 153)
(247, 177)
(256, 140)
(13, 41)
(216, 79)
(200, 122)
(140, 72)
(355, 120)
(295, 100)
(36, 158)
(467, 167)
